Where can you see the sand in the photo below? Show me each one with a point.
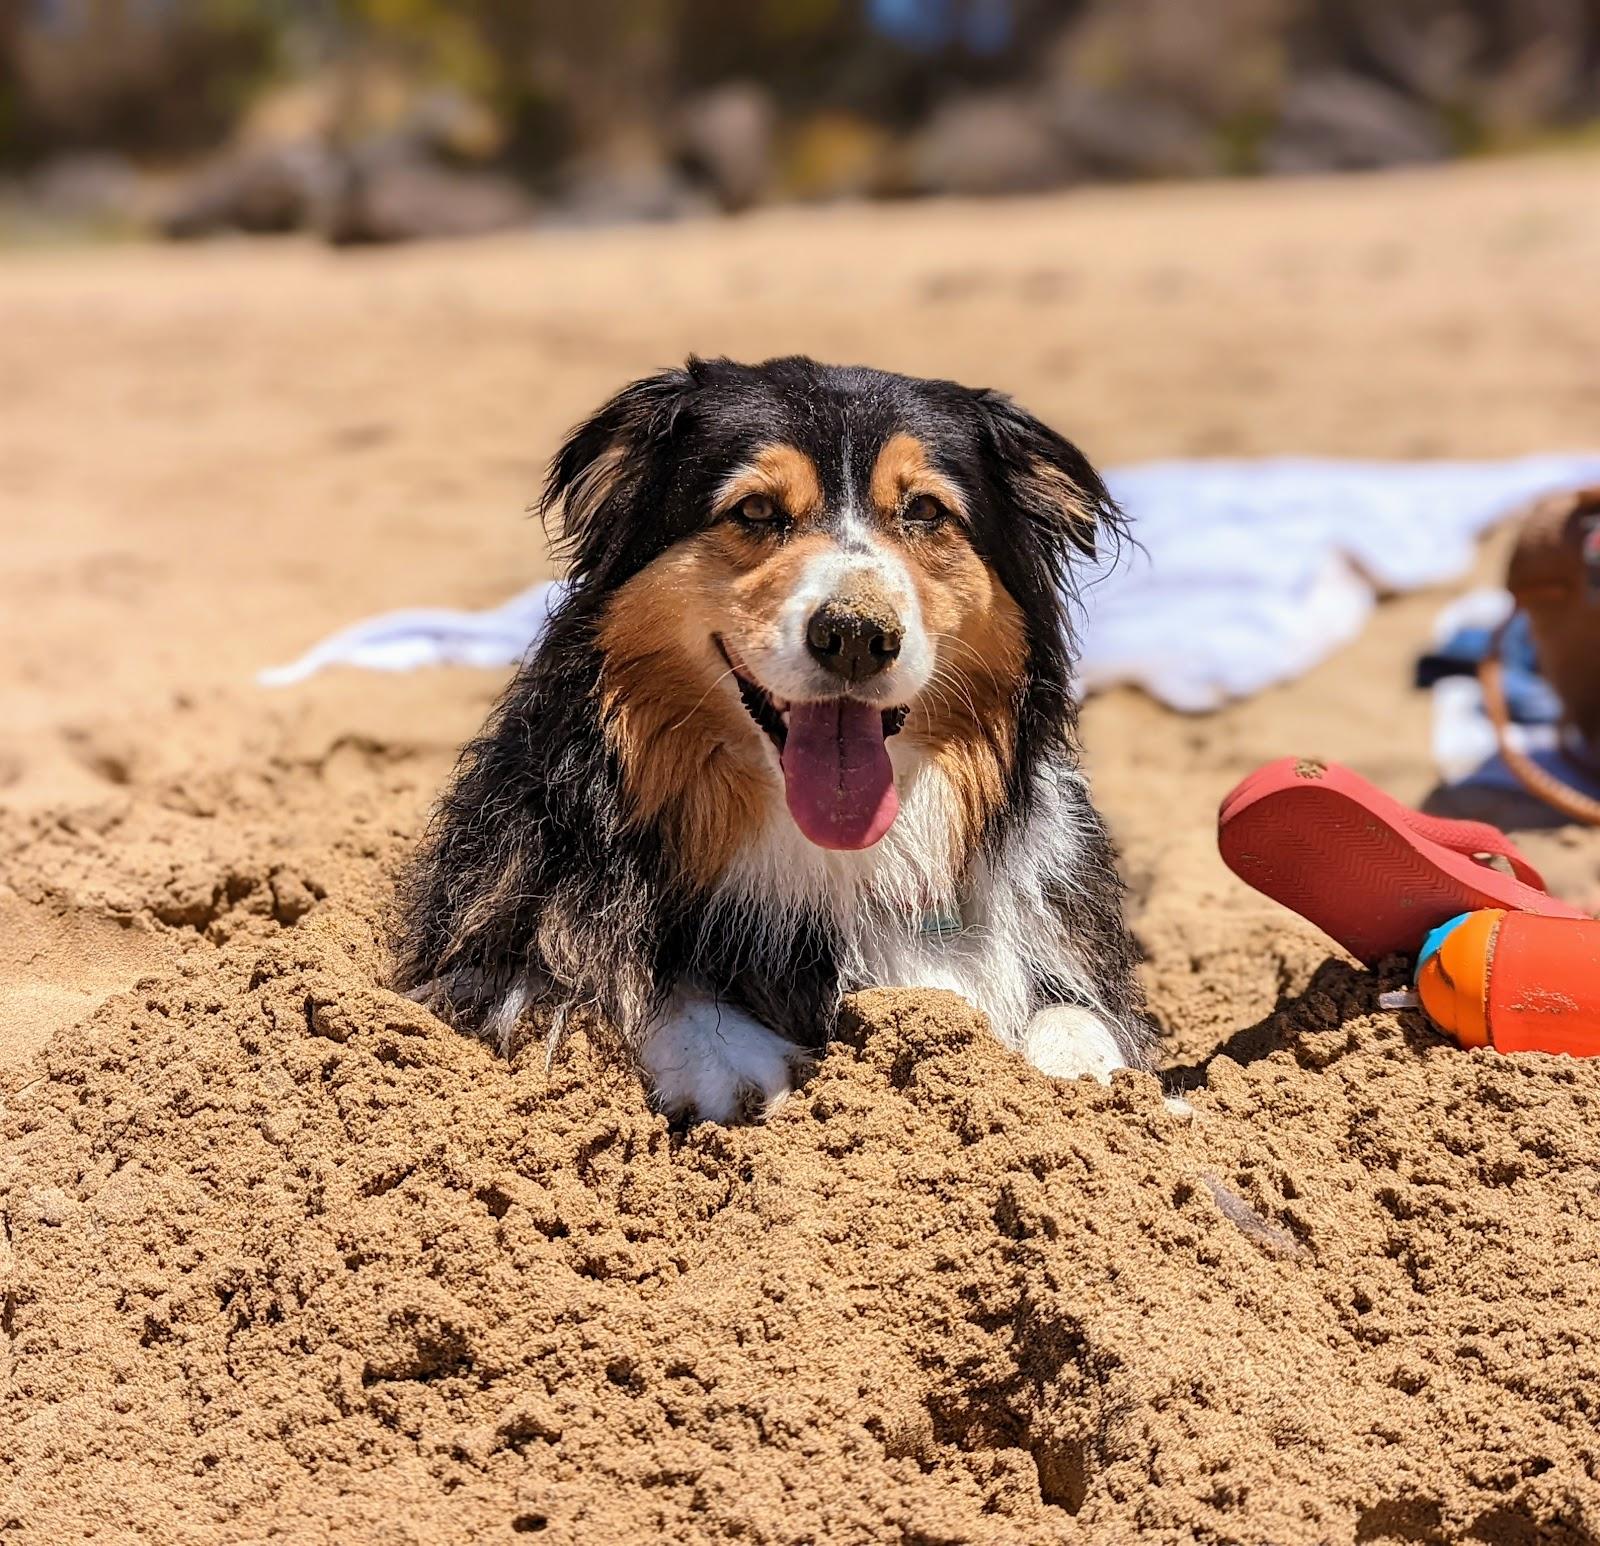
(283, 1258)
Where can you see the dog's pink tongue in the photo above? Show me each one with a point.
(837, 773)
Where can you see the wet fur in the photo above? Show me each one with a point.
(605, 840)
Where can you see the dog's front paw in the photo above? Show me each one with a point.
(1068, 1041)
(713, 1062)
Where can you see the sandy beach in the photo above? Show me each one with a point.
(284, 1258)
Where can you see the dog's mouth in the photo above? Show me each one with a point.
(837, 776)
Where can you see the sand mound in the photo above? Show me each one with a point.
(284, 1258)
(288, 1255)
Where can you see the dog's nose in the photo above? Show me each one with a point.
(849, 644)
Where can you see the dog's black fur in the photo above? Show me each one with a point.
(532, 875)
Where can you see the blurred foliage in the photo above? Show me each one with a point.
(1093, 87)
(150, 76)
(153, 76)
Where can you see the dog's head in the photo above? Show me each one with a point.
(809, 574)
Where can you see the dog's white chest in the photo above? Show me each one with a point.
(903, 915)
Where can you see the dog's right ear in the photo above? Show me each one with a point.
(1050, 483)
(610, 464)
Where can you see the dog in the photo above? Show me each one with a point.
(804, 723)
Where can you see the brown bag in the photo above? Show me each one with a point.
(1554, 578)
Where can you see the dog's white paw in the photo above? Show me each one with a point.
(714, 1062)
(1068, 1041)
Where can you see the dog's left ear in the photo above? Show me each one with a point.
(608, 464)
(1048, 480)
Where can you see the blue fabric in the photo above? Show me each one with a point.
(1466, 748)
(1530, 698)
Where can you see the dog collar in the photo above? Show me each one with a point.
(942, 923)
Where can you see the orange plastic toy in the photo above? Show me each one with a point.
(1516, 982)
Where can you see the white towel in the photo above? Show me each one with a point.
(429, 636)
(1250, 573)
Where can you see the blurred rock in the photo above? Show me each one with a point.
(1543, 83)
(375, 106)
(387, 190)
(1345, 123)
(291, 112)
(997, 143)
(403, 197)
(1215, 61)
(452, 126)
(266, 190)
(89, 189)
(1112, 135)
(1427, 55)
(610, 190)
(725, 140)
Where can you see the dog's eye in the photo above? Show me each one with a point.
(923, 510)
(757, 510)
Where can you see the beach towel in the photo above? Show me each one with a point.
(1244, 573)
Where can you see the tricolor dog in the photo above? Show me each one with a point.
(804, 723)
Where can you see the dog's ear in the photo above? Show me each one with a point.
(1049, 481)
(611, 463)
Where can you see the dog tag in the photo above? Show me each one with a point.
(942, 924)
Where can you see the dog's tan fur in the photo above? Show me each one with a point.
(967, 720)
(905, 469)
(785, 474)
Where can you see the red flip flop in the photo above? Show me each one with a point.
(1367, 870)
